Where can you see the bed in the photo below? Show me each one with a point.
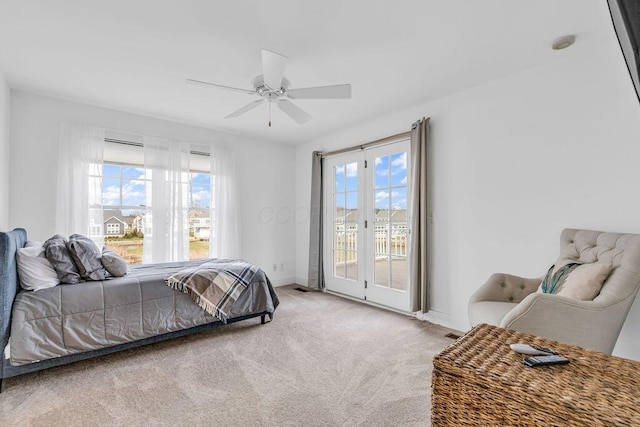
(67, 323)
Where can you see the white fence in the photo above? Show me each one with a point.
(385, 242)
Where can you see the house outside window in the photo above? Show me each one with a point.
(126, 208)
(113, 229)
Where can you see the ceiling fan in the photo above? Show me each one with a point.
(273, 88)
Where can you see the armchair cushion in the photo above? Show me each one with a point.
(491, 312)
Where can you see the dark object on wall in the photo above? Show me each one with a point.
(625, 15)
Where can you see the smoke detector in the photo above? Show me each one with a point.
(563, 42)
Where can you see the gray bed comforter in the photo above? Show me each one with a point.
(69, 319)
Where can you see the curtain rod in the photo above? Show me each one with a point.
(139, 144)
(367, 145)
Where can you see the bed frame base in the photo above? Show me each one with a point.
(9, 370)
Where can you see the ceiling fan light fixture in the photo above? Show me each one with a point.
(563, 42)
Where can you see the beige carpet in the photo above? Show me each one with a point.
(324, 360)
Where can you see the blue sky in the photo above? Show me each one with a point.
(390, 183)
(133, 187)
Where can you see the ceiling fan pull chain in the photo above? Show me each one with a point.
(269, 113)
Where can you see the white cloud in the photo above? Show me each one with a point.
(403, 181)
(399, 164)
(352, 169)
(111, 195)
(133, 193)
(202, 196)
(381, 195)
(378, 161)
(399, 199)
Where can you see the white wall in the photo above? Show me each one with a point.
(514, 162)
(5, 96)
(266, 179)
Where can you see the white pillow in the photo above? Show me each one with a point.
(584, 283)
(35, 270)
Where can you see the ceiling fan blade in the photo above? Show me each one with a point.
(296, 113)
(273, 65)
(199, 82)
(246, 108)
(321, 92)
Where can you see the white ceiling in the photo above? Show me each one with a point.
(135, 55)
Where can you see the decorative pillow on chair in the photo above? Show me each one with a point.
(34, 269)
(555, 278)
(581, 282)
(115, 265)
(585, 282)
(86, 255)
(58, 255)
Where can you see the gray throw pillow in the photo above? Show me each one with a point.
(115, 265)
(86, 255)
(55, 249)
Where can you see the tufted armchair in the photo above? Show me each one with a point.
(512, 302)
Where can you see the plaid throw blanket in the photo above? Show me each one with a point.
(215, 285)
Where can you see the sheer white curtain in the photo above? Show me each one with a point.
(166, 228)
(225, 230)
(79, 181)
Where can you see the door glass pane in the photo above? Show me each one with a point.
(390, 235)
(399, 273)
(351, 170)
(398, 241)
(381, 242)
(345, 221)
(381, 271)
(399, 169)
(339, 208)
(339, 174)
(351, 237)
(382, 172)
(338, 262)
(352, 265)
(351, 214)
(338, 237)
(382, 202)
(399, 203)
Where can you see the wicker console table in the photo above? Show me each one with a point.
(479, 380)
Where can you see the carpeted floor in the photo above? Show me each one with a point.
(324, 360)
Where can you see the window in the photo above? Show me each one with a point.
(113, 229)
(126, 202)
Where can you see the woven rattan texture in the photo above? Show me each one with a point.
(478, 380)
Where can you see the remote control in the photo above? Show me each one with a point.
(545, 360)
(532, 350)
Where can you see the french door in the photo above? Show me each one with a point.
(367, 224)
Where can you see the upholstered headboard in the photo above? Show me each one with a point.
(9, 286)
(621, 250)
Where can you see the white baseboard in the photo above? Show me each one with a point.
(445, 319)
(283, 281)
(301, 280)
